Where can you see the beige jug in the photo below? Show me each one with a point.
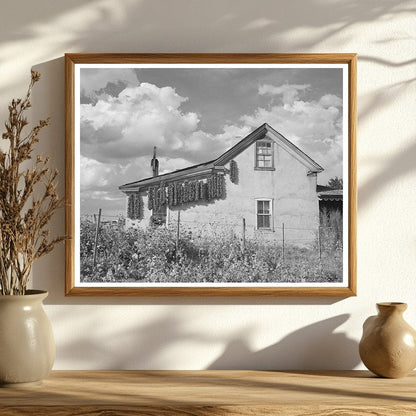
(388, 345)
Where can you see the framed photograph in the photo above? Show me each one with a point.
(211, 174)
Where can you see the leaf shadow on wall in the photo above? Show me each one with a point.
(151, 345)
(104, 26)
(313, 347)
(397, 166)
(143, 347)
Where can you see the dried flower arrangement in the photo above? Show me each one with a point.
(28, 199)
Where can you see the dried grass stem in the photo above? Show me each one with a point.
(24, 216)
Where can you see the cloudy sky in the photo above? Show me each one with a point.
(194, 115)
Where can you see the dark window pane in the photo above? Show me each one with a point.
(260, 207)
(263, 221)
(260, 221)
(263, 214)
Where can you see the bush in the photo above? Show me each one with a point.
(153, 256)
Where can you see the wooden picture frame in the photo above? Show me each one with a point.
(292, 84)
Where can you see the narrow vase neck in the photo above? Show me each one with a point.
(391, 308)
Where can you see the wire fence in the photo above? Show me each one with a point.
(324, 238)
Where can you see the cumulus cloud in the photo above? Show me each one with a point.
(94, 173)
(288, 92)
(330, 100)
(129, 125)
(98, 83)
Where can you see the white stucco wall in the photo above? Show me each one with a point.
(198, 333)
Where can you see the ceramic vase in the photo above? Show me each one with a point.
(388, 345)
(27, 347)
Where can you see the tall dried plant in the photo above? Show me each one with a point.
(28, 199)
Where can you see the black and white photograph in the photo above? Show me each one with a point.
(211, 174)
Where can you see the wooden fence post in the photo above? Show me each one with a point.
(243, 242)
(177, 234)
(97, 231)
(319, 243)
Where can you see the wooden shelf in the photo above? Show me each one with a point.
(203, 393)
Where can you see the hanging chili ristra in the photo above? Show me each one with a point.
(223, 190)
(185, 198)
(163, 194)
(233, 171)
(215, 185)
(180, 193)
(130, 207)
(175, 193)
(155, 200)
(220, 186)
(192, 191)
(204, 191)
(134, 206)
(209, 188)
(137, 206)
(196, 191)
(197, 188)
(170, 195)
(150, 199)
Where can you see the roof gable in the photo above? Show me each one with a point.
(266, 131)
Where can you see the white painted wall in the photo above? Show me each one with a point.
(197, 333)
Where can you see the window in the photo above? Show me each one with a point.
(264, 154)
(264, 214)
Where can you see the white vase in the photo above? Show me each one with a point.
(27, 347)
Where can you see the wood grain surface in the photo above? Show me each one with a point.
(203, 393)
(72, 59)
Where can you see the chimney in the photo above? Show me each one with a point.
(154, 163)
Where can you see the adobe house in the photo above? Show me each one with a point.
(262, 184)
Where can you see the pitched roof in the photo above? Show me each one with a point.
(190, 170)
(218, 164)
(185, 173)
